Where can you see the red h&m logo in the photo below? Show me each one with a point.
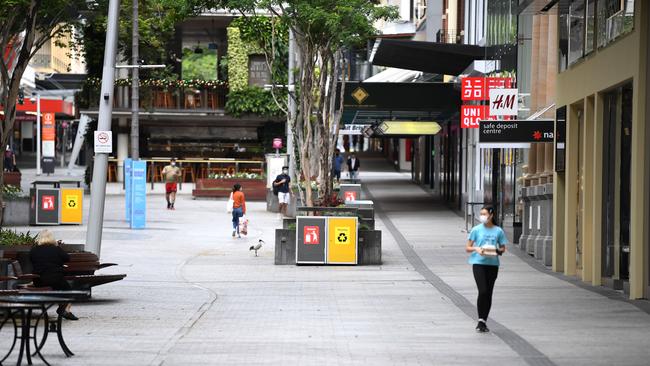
(312, 235)
(350, 196)
(47, 203)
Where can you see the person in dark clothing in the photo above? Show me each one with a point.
(48, 260)
(353, 166)
(281, 183)
(337, 165)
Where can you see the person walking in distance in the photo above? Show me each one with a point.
(238, 208)
(172, 175)
(486, 243)
(281, 184)
(337, 165)
(353, 166)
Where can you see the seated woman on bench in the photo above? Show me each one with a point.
(47, 261)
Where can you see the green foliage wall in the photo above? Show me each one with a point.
(238, 52)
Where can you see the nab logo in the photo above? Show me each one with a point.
(312, 235)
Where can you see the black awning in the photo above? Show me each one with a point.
(431, 57)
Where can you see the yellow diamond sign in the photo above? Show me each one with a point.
(360, 95)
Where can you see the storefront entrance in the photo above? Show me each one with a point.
(617, 156)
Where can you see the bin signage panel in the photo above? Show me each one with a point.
(71, 205)
(47, 206)
(342, 240)
(311, 238)
(47, 203)
(138, 194)
(312, 235)
(350, 192)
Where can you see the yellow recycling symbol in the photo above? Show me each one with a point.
(72, 202)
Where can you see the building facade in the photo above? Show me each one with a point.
(601, 182)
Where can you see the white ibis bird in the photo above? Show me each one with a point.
(257, 246)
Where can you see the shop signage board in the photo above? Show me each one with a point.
(103, 142)
(472, 115)
(342, 240)
(477, 88)
(504, 102)
(515, 133)
(72, 205)
(274, 164)
(138, 194)
(311, 236)
(560, 139)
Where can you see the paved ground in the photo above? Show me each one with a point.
(195, 296)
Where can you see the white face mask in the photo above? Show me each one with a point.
(173, 163)
(285, 172)
(484, 219)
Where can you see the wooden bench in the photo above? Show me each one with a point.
(79, 272)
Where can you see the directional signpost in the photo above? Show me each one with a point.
(407, 128)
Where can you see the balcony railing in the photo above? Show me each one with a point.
(175, 95)
(449, 36)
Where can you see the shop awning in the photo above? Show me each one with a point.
(431, 57)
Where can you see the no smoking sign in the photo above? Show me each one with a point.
(104, 142)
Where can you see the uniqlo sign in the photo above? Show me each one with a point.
(312, 235)
(473, 89)
(478, 88)
(471, 115)
(47, 203)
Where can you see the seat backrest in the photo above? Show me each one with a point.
(17, 268)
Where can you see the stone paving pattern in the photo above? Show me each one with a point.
(196, 296)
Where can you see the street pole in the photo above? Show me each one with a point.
(38, 134)
(100, 166)
(292, 104)
(135, 85)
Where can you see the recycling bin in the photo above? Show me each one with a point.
(72, 196)
(342, 240)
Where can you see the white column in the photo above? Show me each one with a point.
(122, 148)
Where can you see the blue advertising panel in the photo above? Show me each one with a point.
(127, 187)
(139, 194)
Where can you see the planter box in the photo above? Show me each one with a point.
(16, 212)
(12, 178)
(369, 247)
(254, 189)
(285, 246)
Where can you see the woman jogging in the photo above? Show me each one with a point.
(486, 243)
(238, 208)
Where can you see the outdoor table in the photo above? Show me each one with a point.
(23, 306)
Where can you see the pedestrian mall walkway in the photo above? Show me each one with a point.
(196, 296)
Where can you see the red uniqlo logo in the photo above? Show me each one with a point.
(476, 88)
(472, 115)
(473, 89)
(350, 196)
(312, 235)
(47, 203)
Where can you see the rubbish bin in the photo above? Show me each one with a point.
(72, 197)
(44, 203)
(311, 236)
(342, 240)
(350, 192)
